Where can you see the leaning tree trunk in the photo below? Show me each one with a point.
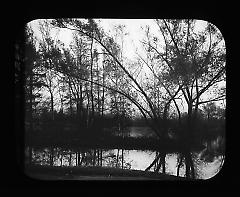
(154, 161)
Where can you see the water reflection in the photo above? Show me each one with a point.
(120, 158)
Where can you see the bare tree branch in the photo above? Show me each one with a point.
(222, 97)
(121, 66)
(211, 82)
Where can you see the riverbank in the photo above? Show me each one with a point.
(39, 172)
(115, 142)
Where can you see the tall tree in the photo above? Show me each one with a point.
(195, 62)
(50, 57)
(33, 82)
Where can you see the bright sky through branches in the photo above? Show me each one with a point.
(135, 29)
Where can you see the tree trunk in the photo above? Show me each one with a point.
(88, 103)
(91, 75)
(52, 105)
(78, 117)
(83, 157)
(78, 158)
(117, 157)
(70, 159)
(158, 164)
(81, 106)
(154, 161)
(163, 162)
(94, 157)
(61, 97)
(190, 173)
(70, 99)
(51, 156)
(103, 92)
(98, 91)
(61, 158)
(122, 158)
(179, 164)
(101, 158)
(98, 157)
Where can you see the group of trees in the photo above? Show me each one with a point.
(92, 79)
(64, 82)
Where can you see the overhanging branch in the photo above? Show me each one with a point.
(123, 68)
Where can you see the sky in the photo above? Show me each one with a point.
(136, 33)
(134, 30)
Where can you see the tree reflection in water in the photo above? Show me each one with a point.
(131, 159)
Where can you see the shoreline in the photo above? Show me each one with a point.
(39, 172)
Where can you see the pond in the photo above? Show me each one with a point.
(120, 158)
(207, 162)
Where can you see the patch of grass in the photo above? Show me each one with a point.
(93, 171)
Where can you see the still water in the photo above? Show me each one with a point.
(206, 163)
(127, 159)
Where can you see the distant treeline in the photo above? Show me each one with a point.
(65, 129)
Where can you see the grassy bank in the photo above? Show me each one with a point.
(98, 173)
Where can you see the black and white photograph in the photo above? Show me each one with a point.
(122, 99)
